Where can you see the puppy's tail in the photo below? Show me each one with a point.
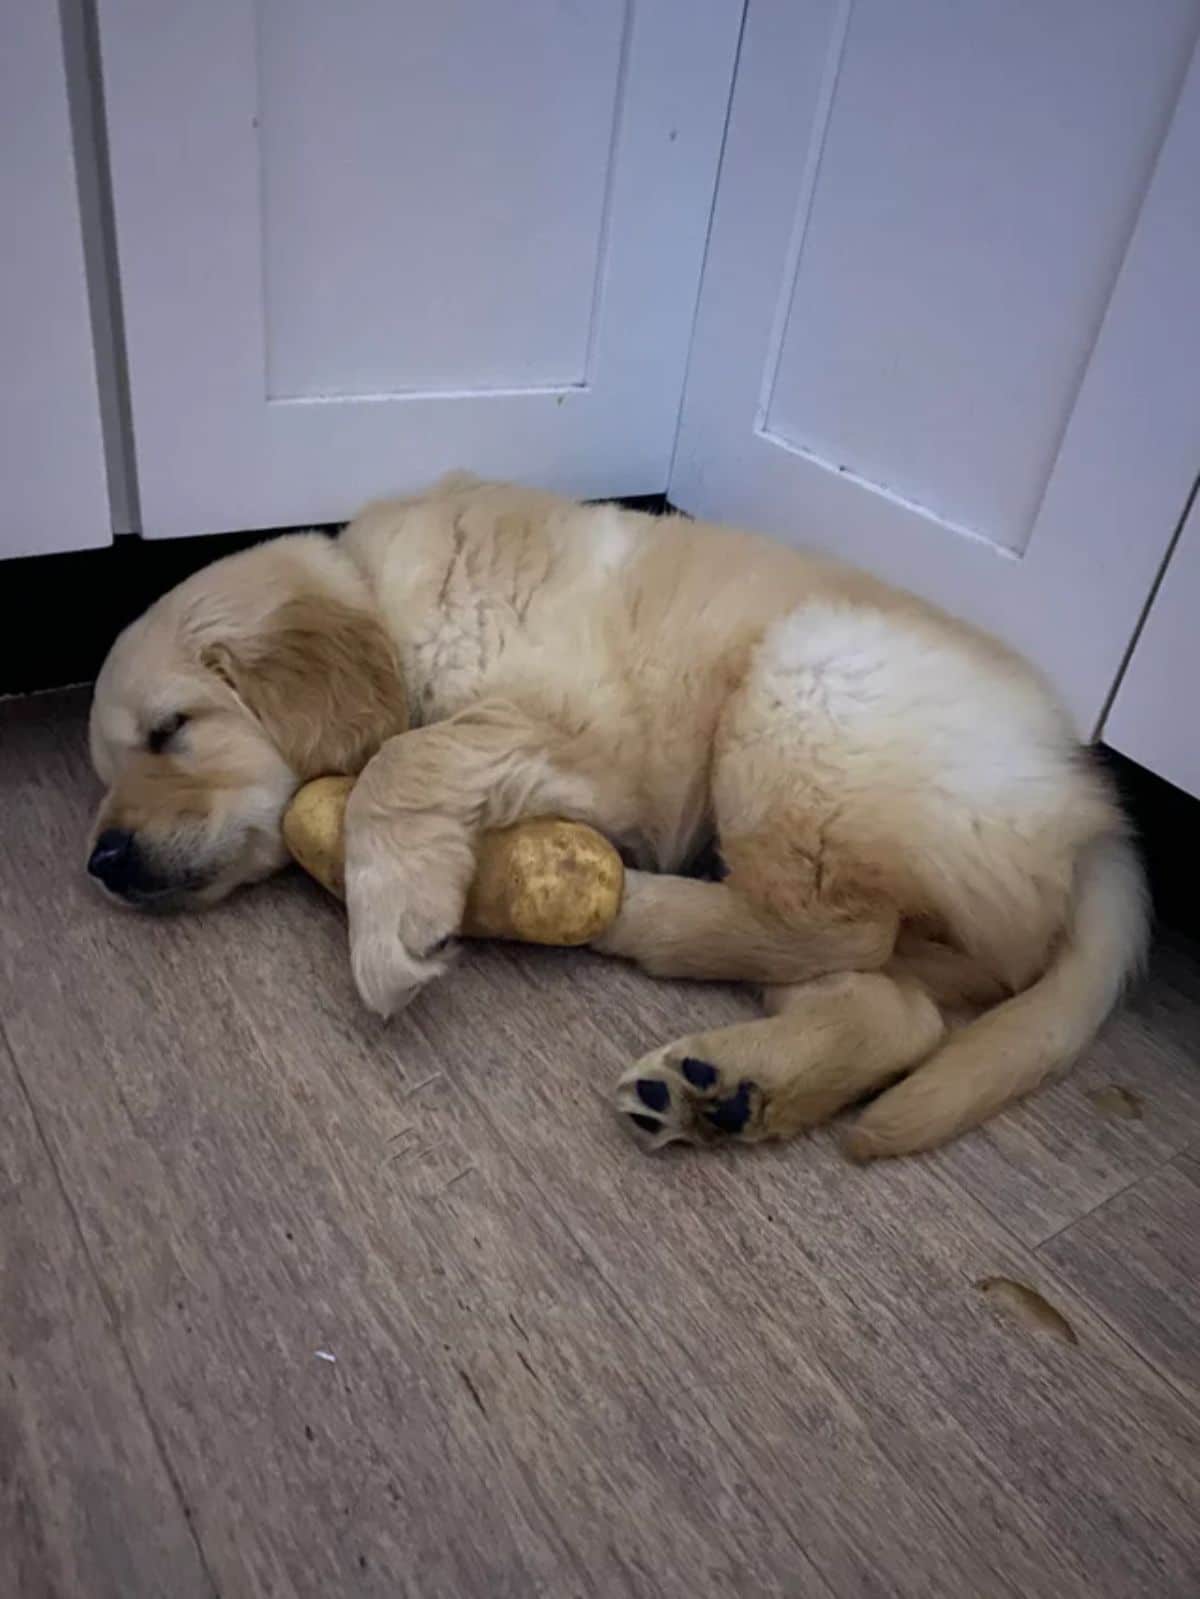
(1009, 1050)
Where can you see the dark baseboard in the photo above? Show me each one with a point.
(1166, 821)
(60, 613)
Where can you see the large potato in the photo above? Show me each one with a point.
(540, 882)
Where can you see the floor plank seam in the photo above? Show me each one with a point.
(110, 1311)
(1093, 1310)
(1186, 1398)
(998, 1482)
(1101, 1203)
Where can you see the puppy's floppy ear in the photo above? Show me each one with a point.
(323, 680)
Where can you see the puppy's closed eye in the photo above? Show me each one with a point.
(163, 732)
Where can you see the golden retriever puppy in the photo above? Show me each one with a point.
(922, 869)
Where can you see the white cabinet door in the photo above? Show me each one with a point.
(51, 454)
(361, 244)
(949, 321)
(1155, 719)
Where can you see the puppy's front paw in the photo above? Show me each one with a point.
(392, 955)
(388, 975)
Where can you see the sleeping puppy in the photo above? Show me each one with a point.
(923, 871)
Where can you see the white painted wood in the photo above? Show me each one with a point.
(51, 455)
(948, 321)
(1154, 719)
(85, 98)
(363, 244)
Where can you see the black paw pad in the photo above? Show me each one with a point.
(653, 1093)
(730, 1115)
(647, 1123)
(698, 1072)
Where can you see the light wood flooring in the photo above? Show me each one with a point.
(297, 1304)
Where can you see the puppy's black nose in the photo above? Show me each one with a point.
(114, 860)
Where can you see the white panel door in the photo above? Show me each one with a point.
(1154, 718)
(949, 321)
(51, 454)
(364, 243)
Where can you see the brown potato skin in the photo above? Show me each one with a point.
(543, 881)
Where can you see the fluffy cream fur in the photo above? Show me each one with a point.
(925, 872)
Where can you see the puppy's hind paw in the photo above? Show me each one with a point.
(672, 1096)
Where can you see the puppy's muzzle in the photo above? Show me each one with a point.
(118, 863)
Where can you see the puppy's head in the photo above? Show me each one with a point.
(261, 671)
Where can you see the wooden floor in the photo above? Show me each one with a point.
(297, 1304)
